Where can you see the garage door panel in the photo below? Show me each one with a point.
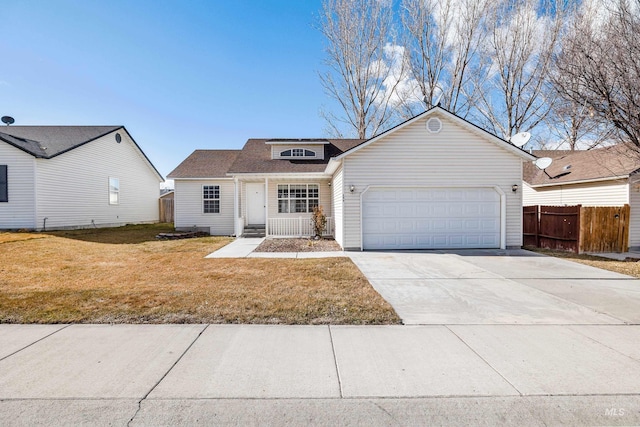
(441, 210)
(405, 211)
(431, 218)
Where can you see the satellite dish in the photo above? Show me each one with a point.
(543, 162)
(437, 100)
(435, 103)
(7, 120)
(519, 139)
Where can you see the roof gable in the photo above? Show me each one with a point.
(255, 158)
(50, 141)
(458, 120)
(46, 142)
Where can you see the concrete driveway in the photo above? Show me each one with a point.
(499, 287)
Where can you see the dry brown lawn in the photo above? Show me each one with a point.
(631, 268)
(124, 275)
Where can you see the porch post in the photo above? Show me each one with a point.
(235, 207)
(266, 206)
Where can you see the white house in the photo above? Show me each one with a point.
(600, 177)
(435, 181)
(54, 177)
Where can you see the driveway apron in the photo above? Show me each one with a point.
(498, 287)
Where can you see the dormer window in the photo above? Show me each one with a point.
(297, 152)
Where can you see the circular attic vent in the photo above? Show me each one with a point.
(434, 125)
(118, 138)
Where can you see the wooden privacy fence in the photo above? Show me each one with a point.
(577, 228)
(604, 229)
(166, 209)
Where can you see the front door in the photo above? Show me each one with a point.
(255, 203)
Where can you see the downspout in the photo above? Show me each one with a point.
(235, 207)
(266, 206)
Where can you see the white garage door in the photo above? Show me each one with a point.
(430, 218)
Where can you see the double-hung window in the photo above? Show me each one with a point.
(4, 184)
(114, 191)
(211, 199)
(297, 198)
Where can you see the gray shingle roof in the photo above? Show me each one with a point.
(50, 141)
(205, 164)
(585, 165)
(255, 157)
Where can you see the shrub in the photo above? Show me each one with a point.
(319, 221)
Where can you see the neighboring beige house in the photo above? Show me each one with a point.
(54, 177)
(600, 177)
(435, 181)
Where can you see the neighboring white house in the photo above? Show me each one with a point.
(54, 177)
(435, 181)
(600, 177)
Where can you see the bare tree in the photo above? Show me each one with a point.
(599, 66)
(443, 38)
(523, 37)
(574, 126)
(359, 75)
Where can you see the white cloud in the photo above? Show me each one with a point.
(398, 86)
(523, 32)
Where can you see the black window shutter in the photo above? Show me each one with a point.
(4, 184)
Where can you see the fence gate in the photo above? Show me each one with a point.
(604, 229)
(559, 228)
(166, 210)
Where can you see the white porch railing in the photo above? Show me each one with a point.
(296, 227)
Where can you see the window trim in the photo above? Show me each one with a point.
(4, 182)
(303, 153)
(290, 201)
(115, 192)
(213, 197)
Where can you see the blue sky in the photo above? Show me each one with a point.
(180, 75)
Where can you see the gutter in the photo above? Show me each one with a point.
(584, 181)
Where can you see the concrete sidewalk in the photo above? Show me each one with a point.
(239, 248)
(319, 375)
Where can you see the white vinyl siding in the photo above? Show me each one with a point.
(634, 219)
(413, 156)
(19, 211)
(336, 186)
(603, 193)
(72, 187)
(188, 208)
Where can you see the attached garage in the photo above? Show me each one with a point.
(431, 218)
(433, 182)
